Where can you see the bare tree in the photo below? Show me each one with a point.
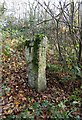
(80, 42)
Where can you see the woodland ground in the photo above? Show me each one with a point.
(18, 96)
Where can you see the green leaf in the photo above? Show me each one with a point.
(61, 105)
(45, 103)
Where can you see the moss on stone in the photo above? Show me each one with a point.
(38, 38)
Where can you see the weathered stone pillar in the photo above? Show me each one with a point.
(30, 69)
(36, 63)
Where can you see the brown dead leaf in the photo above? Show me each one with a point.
(16, 102)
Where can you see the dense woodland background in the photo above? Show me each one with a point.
(62, 24)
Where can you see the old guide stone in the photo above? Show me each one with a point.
(37, 76)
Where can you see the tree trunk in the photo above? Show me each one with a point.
(80, 42)
(59, 48)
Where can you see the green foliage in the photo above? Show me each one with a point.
(54, 67)
(75, 95)
(37, 107)
(2, 9)
(22, 43)
(10, 117)
(5, 87)
(76, 72)
(45, 103)
(6, 50)
(56, 112)
(25, 115)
